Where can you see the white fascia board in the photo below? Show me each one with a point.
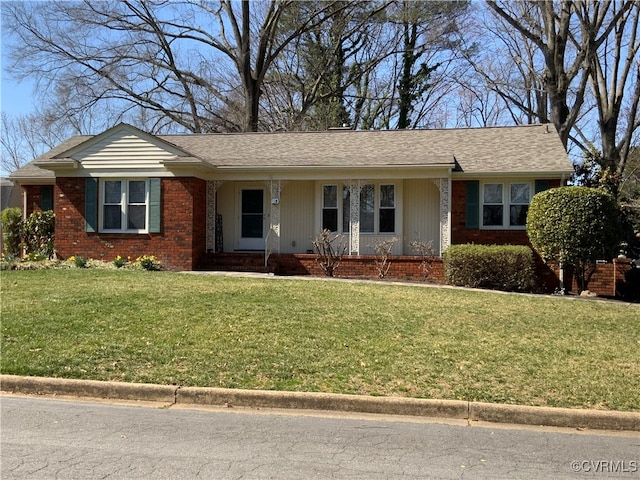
(531, 175)
(387, 172)
(20, 181)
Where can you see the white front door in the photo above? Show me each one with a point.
(252, 219)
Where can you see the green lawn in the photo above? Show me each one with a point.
(325, 336)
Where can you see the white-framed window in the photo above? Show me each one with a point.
(505, 205)
(377, 208)
(124, 205)
(330, 207)
(387, 213)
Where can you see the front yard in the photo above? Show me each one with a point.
(327, 336)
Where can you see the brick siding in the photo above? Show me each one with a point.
(179, 246)
(34, 198)
(460, 234)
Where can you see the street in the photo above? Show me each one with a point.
(61, 439)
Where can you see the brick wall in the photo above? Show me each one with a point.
(608, 279)
(180, 244)
(362, 266)
(460, 234)
(34, 198)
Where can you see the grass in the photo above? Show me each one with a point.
(288, 334)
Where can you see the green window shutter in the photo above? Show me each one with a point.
(541, 185)
(90, 205)
(154, 205)
(472, 196)
(46, 197)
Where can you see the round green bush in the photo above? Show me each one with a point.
(574, 225)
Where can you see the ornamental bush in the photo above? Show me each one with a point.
(575, 226)
(38, 233)
(508, 268)
(12, 231)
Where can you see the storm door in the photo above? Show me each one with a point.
(252, 219)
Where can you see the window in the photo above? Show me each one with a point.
(492, 208)
(519, 204)
(505, 204)
(377, 209)
(124, 205)
(387, 209)
(330, 207)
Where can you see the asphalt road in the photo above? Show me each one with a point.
(60, 439)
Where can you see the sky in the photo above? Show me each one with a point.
(15, 97)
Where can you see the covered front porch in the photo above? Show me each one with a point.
(250, 222)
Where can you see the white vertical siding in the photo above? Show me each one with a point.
(227, 208)
(297, 211)
(421, 214)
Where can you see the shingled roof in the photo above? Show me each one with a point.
(470, 151)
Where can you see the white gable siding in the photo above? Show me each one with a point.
(123, 150)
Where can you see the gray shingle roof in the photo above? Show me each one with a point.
(474, 151)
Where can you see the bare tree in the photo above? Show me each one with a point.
(25, 137)
(560, 49)
(168, 63)
(615, 81)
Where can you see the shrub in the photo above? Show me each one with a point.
(497, 267)
(38, 233)
(119, 262)
(79, 262)
(12, 231)
(382, 249)
(575, 226)
(148, 262)
(426, 251)
(329, 250)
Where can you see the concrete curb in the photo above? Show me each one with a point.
(219, 397)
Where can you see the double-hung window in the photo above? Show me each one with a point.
(377, 208)
(387, 212)
(125, 205)
(330, 207)
(367, 209)
(505, 205)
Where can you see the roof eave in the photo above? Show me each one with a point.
(254, 168)
(529, 174)
(58, 164)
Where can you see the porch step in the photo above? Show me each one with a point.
(235, 262)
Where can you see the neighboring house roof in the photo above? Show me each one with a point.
(528, 149)
(9, 195)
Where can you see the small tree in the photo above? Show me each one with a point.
(575, 226)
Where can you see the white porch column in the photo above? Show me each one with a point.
(212, 190)
(274, 221)
(355, 187)
(444, 185)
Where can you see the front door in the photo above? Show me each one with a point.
(252, 219)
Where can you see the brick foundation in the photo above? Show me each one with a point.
(359, 266)
(609, 280)
(179, 246)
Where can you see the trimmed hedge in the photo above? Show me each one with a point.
(510, 268)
